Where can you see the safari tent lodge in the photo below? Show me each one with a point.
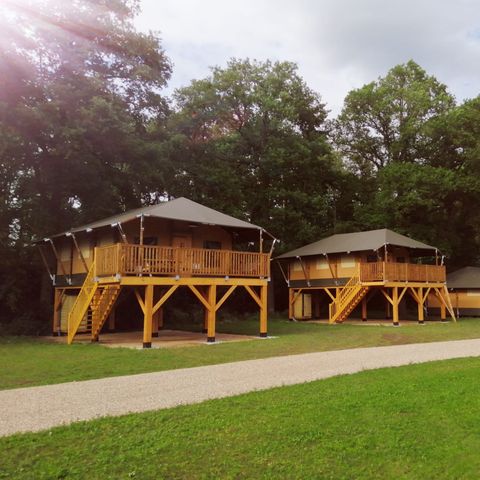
(346, 271)
(150, 252)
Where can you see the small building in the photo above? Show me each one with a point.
(464, 288)
(153, 251)
(347, 270)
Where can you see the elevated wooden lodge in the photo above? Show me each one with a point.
(153, 251)
(348, 270)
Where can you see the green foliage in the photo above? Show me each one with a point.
(385, 121)
(79, 88)
(417, 421)
(85, 132)
(251, 140)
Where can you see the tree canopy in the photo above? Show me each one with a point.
(86, 130)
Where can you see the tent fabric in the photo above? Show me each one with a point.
(467, 277)
(358, 242)
(181, 209)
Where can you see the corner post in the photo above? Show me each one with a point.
(364, 309)
(111, 321)
(291, 294)
(443, 311)
(395, 306)
(421, 315)
(263, 311)
(57, 303)
(212, 301)
(147, 320)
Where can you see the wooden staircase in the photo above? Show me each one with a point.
(101, 306)
(92, 306)
(347, 299)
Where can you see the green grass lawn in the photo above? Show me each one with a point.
(412, 422)
(36, 362)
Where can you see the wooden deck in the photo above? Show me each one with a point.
(401, 272)
(129, 259)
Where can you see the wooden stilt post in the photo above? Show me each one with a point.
(395, 306)
(290, 303)
(364, 309)
(443, 312)
(57, 303)
(317, 304)
(155, 324)
(388, 313)
(421, 314)
(212, 301)
(147, 319)
(156, 314)
(160, 318)
(263, 311)
(111, 321)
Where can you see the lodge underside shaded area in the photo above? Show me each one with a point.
(149, 295)
(396, 301)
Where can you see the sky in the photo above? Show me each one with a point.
(338, 45)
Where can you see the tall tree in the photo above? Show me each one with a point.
(80, 95)
(386, 120)
(251, 139)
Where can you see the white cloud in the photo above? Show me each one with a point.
(338, 44)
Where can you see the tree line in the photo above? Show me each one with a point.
(86, 131)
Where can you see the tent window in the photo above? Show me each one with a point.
(322, 264)
(212, 245)
(297, 266)
(348, 261)
(147, 240)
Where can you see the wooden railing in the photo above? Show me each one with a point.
(128, 259)
(401, 272)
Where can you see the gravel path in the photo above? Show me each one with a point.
(39, 408)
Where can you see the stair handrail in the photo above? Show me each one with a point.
(81, 303)
(345, 295)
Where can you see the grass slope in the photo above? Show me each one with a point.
(420, 421)
(35, 362)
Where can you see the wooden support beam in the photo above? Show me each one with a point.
(332, 297)
(59, 262)
(291, 293)
(140, 300)
(263, 311)
(225, 296)
(385, 294)
(421, 314)
(200, 296)
(147, 319)
(212, 300)
(253, 295)
(164, 298)
(305, 274)
(57, 304)
(334, 274)
(45, 263)
(283, 272)
(395, 303)
(80, 254)
(364, 309)
(111, 321)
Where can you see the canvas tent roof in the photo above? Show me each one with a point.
(358, 242)
(467, 277)
(181, 209)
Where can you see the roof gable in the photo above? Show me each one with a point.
(181, 209)
(357, 242)
(467, 277)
